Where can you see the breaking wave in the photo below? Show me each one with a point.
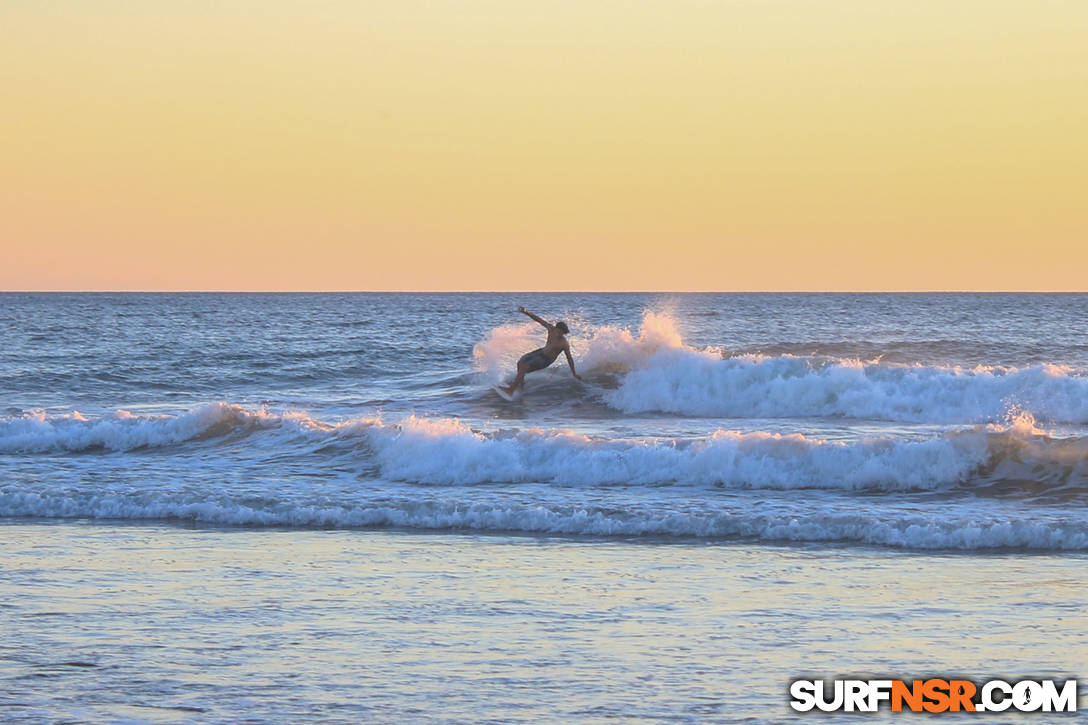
(657, 372)
(447, 451)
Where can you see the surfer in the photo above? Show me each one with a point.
(542, 357)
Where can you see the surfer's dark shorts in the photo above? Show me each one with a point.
(536, 360)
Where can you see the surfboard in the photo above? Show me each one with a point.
(502, 393)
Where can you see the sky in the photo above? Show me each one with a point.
(728, 145)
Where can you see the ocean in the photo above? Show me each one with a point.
(304, 507)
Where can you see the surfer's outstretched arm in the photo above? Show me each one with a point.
(541, 320)
(570, 361)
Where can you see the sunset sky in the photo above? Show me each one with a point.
(514, 145)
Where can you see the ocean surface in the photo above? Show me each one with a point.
(870, 453)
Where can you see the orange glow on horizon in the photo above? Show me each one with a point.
(739, 145)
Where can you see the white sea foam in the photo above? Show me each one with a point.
(693, 383)
(449, 452)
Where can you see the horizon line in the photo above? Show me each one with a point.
(533, 291)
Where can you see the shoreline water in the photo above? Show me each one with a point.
(154, 623)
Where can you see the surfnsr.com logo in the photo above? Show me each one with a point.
(934, 695)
